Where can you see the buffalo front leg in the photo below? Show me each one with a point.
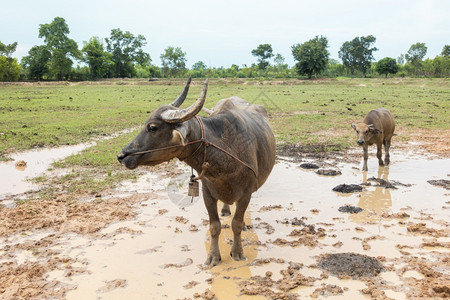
(366, 156)
(379, 154)
(237, 252)
(387, 145)
(214, 228)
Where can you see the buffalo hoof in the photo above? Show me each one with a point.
(213, 260)
(237, 256)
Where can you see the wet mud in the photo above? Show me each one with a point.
(350, 209)
(351, 265)
(348, 188)
(148, 240)
(440, 182)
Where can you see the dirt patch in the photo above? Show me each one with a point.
(64, 215)
(440, 182)
(351, 265)
(277, 289)
(386, 183)
(113, 284)
(435, 141)
(421, 228)
(327, 290)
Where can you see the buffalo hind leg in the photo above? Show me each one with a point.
(214, 228)
(226, 211)
(387, 145)
(237, 252)
(379, 154)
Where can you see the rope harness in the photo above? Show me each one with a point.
(205, 164)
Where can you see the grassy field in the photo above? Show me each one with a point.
(316, 114)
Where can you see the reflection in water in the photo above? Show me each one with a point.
(374, 202)
(229, 272)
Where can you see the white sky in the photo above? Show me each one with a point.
(221, 33)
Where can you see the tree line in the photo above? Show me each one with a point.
(121, 55)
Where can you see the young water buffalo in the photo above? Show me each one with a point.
(377, 128)
(233, 150)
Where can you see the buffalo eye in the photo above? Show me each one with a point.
(151, 128)
(367, 131)
(357, 131)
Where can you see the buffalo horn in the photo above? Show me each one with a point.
(177, 102)
(181, 115)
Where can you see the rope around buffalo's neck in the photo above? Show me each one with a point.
(203, 140)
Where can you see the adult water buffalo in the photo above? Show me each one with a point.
(377, 128)
(233, 150)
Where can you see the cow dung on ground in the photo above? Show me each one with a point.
(309, 166)
(348, 188)
(351, 264)
(328, 172)
(350, 209)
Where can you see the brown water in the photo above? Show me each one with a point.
(156, 255)
(139, 258)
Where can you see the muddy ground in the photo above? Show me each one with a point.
(147, 240)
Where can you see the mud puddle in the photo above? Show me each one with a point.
(29, 164)
(293, 223)
(25, 165)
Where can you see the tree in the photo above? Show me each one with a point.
(264, 52)
(62, 48)
(126, 50)
(279, 59)
(199, 66)
(37, 62)
(415, 55)
(441, 66)
(401, 59)
(357, 54)
(7, 50)
(9, 67)
(387, 65)
(98, 60)
(446, 51)
(173, 61)
(312, 56)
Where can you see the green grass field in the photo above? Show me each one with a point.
(316, 114)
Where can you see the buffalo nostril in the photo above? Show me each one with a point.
(360, 142)
(120, 156)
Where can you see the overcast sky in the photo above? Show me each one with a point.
(221, 33)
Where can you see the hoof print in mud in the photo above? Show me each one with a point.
(348, 188)
(351, 265)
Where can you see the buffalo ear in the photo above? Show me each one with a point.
(353, 125)
(377, 131)
(179, 134)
